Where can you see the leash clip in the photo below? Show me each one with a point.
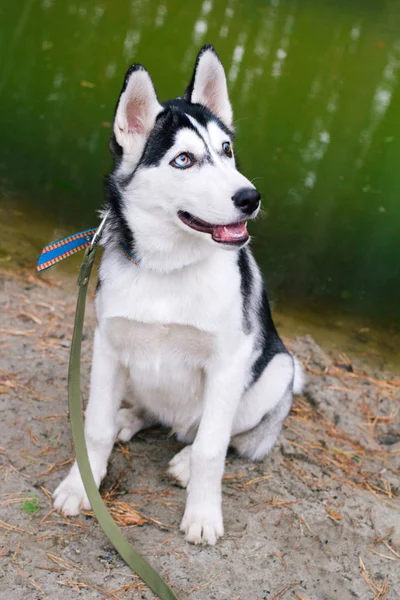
(90, 253)
(98, 233)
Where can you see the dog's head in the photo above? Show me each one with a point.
(179, 190)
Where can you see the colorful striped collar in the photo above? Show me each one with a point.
(57, 251)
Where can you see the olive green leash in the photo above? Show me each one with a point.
(132, 558)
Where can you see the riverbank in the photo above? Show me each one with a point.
(319, 518)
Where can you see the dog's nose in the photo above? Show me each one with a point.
(247, 200)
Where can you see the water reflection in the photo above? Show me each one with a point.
(131, 43)
(200, 28)
(201, 25)
(161, 15)
(237, 58)
(282, 51)
(381, 101)
(229, 12)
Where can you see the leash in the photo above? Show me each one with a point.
(56, 251)
(133, 559)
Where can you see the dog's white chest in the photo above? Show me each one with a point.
(166, 365)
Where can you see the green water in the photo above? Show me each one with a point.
(315, 88)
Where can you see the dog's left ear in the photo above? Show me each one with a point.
(208, 85)
(136, 112)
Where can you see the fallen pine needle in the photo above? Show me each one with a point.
(47, 493)
(15, 500)
(380, 592)
(55, 467)
(303, 521)
(64, 564)
(384, 542)
(283, 591)
(124, 588)
(31, 316)
(276, 502)
(203, 585)
(335, 515)
(74, 584)
(47, 515)
(257, 480)
(51, 417)
(234, 476)
(18, 332)
(31, 581)
(9, 527)
(382, 555)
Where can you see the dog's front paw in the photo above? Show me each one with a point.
(179, 466)
(202, 524)
(70, 496)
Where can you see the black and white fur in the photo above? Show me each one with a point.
(186, 335)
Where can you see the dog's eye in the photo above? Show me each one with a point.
(182, 161)
(226, 147)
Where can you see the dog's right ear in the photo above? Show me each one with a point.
(208, 85)
(136, 112)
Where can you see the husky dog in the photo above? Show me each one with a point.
(186, 333)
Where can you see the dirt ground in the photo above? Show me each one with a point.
(318, 519)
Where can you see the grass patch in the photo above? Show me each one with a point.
(30, 506)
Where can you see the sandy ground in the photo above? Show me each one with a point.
(319, 519)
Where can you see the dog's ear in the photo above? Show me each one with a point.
(208, 85)
(136, 112)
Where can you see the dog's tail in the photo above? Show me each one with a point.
(299, 378)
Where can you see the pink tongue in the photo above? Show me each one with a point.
(230, 233)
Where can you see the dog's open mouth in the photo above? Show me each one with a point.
(234, 233)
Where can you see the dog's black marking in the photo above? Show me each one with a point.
(269, 342)
(168, 123)
(199, 112)
(173, 118)
(116, 222)
(246, 287)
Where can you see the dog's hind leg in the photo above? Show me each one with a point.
(265, 405)
(130, 421)
(257, 442)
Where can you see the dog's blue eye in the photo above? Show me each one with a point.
(226, 147)
(182, 161)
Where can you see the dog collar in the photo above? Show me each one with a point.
(129, 254)
(57, 251)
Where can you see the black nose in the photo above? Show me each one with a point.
(247, 200)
